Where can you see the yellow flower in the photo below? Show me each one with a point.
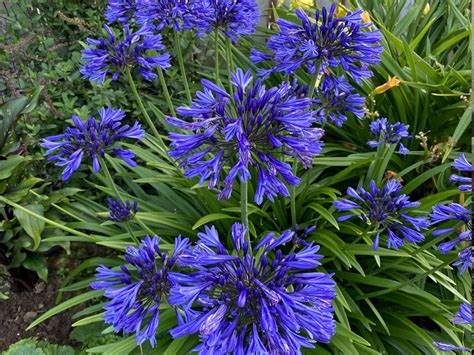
(340, 11)
(365, 17)
(391, 82)
(302, 3)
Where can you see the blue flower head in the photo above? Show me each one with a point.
(386, 209)
(454, 212)
(463, 165)
(111, 55)
(179, 14)
(120, 10)
(120, 211)
(136, 292)
(335, 99)
(327, 41)
(386, 133)
(253, 127)
(92, 139)
(261, 302)
(233, 17)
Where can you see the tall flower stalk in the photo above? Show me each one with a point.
(177, 45)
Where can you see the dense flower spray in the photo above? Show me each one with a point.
(386, 209)
(335, 99)
(92, 140)
(265, 301)
(179, 14)
(463, 165)
(136, 293)
(233, 18)
(111, 55)
(454, 212)
(255, 126)
(386, 133)
(120, 10)
(326, 42)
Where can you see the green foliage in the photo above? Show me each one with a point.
(388, 302)
(32, 346)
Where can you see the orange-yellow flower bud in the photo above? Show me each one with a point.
(427, 9)
(365, 17)
(391, 82)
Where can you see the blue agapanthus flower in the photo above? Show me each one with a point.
(255, 127)
(136, 292)
(450, 347)
(386, 133)
(234, 18)
(121, 211)
(335, 99)
(454, 212)
(93, 140)
(386, 209)
(464, 315)
(179, 14)
(120, 10)
(325, 41)
(261, 302)
(112, 55)
(463, 165)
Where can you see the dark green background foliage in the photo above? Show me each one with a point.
(390, 302)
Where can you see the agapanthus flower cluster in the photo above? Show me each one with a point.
(263, 302)
(120, 10)
(121, 211)
(136, 292)
(325, 42)
(463, 165)
(255, 127)
(92, 140)
(454, 212)
(112, 55)
(386, 133)
(234, 18)
(178, 14)
(335, 99)
(386, 209)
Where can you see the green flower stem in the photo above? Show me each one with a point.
(130, 231)
(216, 55)
(166, 92)
(177, 44)
(244, 211)
(316, 79)
(293, 194)
(103, 165)
(230, 64)
(142, 108)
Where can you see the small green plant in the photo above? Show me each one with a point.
(32, 346)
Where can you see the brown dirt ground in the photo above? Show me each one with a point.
(30, 297)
